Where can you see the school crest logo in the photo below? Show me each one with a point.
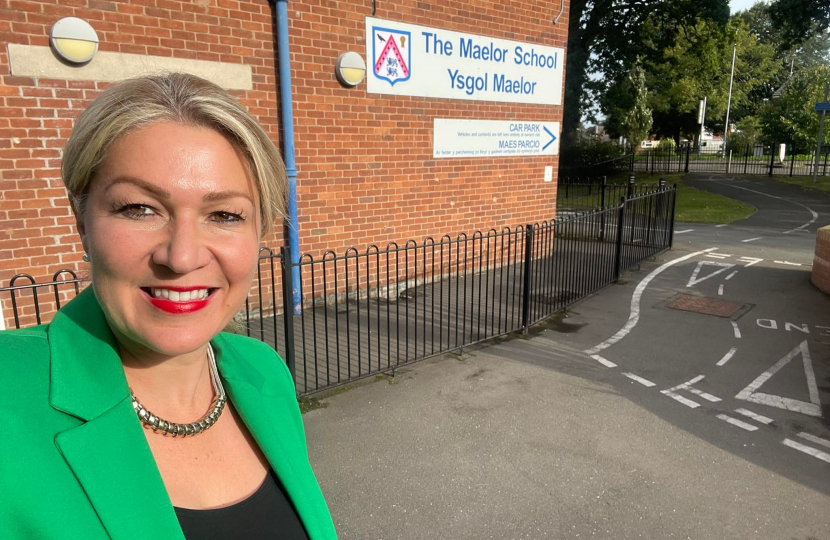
(391, 56)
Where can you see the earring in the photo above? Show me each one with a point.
(85, 258)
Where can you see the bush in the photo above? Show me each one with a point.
(582, 154)
(592, 158)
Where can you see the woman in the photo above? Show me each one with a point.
(172, 184)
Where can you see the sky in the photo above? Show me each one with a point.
(741, 5)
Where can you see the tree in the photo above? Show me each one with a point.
(792, 118)
(800, 20)
(630, 115)
(811, 52)
(747, 133)
(607, 36)
(698, 63)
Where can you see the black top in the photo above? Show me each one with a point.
(267, 514)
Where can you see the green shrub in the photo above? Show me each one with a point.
(586, 153)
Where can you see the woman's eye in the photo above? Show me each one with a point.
(226, 217)
(137, 211)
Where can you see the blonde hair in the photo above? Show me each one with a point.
(177, 97)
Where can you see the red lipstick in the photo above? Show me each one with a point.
(178, 308)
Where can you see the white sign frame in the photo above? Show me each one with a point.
(462, 138)
(437, 63)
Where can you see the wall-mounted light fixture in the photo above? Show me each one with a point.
(74, 40)
(350, 69)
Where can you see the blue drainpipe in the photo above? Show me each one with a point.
(290, 226)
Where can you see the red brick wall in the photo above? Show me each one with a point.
(366, 173)
(366, 169)
(821, 261)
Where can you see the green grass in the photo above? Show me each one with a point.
(697, 206)
(822, 182)
(693, 205)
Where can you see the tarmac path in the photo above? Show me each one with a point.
(754, 378)
(691, 400)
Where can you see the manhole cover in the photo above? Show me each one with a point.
(706, 306)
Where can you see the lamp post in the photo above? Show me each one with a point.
(729, 101)
(701, 119)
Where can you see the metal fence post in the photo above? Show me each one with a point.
(631, 177)
(771, 158)
(618, 254)
(673, 212)
(746, 159)
(729, 162)
(526, 280)
(792, 158)
(661, 189)
(602, 207)
(288, 310)
(651, 202)
(688, 152)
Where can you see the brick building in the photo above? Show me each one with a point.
(366, 171)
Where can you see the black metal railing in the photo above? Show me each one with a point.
(585, 193)
(372, 311)
(29, 301)
(775, 159)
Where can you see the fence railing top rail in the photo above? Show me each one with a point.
(33, 284)
(657, 191)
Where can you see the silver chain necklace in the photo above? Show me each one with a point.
(187, 430)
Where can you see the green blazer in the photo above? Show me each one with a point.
(74, 461)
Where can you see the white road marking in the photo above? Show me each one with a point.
(735, 422)
(727, 356)
(727, 278)
(813, 438)
(803, 328)
(757, 417)
(694, 280)
(634, 315)
(788, 263)
(812, 212)
(644, 382)
(688, 386)
(720, 290)
(736, 329)
(719, 255)
(603, 361)
(751, 261)
(685, 401)
(688, 383)
(752, 239)
(824, 456)
(813, 408)
(704, 395)
(721, 225)
(683, 231)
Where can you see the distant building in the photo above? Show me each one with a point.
(597, 133)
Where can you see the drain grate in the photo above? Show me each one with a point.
(706, 306)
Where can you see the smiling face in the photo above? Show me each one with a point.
(171, 226)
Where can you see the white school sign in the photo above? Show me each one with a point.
(493, 138)
(409, 60)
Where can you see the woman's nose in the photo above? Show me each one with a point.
(183, 249)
